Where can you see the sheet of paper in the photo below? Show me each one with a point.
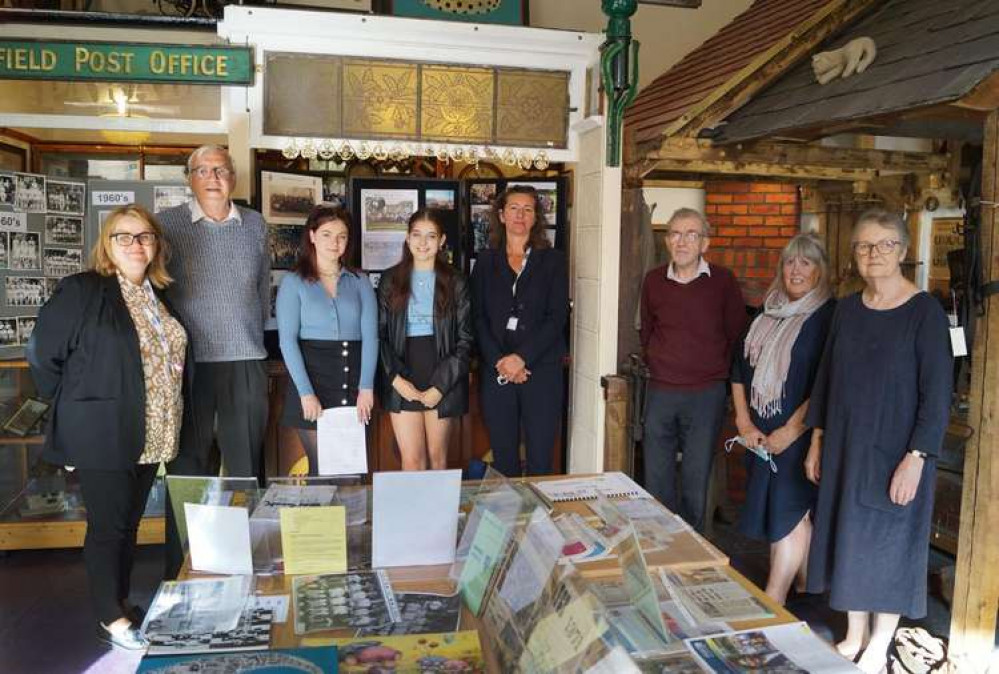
(293, 495)
(219, 538)
(610, 485)
(200, 605)
(342, 442)
(277, 604)
(535, 558)
(561, 637)
(957, 344)
(415, 519)
(786, 648)
(483, 556)
(314, 540)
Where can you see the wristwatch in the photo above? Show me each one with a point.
(918, 454)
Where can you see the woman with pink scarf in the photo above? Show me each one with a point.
(771, 382)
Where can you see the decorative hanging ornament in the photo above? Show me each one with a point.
(327, 150)
(308, 150)
(509, 157)
(290, 150)
(364, 152)
(525, 161)
(346, 152)
(379, 153)
(541, 161)
(441, 154)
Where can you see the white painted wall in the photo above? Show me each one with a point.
(595, 255)
(667, 199)
(666, 34)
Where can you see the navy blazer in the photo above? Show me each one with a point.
(84, 356)
(541, 307)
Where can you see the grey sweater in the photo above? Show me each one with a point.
(221, 282)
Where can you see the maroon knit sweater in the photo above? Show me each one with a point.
(688, 331)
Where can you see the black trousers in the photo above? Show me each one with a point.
(231, 396)
(688, 422)
(535, 406)
(115, 500)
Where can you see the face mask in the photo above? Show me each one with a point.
(758, 451)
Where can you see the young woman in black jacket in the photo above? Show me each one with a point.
(425, 340)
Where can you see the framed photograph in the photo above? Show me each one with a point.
(8, 331)
(7, 189)
(66, 198)
(25, 326)
(511, 12)
(287, 198)
(61, 262)
(3, 250)
(284, 241)
(29, 193)
(482, 194)
(480, 219)
(24, 291)
(63, 230)
(442, 200)
(168, 196)
(335, 190)
(384, 214)
(25, 251)
(26, 417)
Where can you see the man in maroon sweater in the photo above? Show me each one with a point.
(692, 316)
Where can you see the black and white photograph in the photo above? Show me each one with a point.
(24, 291)
(7, 189)
(252, 633)
(331, 602)
(66, 198)
(168, 196)
(63, 231)
(420, 614)
(8, 332)
(25, 324)
(50, 286)
(29, 193)
(24, 253)
(335, 190)
(284, 241)
(61, 262)
(287, 198)
(3, 250)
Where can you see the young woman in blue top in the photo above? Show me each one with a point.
(425, 339)
(327, 318)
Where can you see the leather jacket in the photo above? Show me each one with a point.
(453, 337)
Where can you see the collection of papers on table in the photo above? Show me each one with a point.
(522, 566)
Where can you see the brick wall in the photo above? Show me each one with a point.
(751, 221)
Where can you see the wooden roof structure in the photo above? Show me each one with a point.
(721, 74)
(929, 54)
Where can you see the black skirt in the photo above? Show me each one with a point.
(421, 357)
(334, 369)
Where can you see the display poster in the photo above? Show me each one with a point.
(287, 198)
(384, 216)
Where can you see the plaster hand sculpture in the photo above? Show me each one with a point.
(853, 57)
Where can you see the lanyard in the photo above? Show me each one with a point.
(523, 266)
(151, 307)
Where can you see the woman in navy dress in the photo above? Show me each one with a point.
(771, 383)
(880, 407)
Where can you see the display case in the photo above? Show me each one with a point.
(40, 504)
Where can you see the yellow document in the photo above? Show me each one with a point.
(314, 539)
(562, 636)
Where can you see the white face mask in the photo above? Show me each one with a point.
(758, 451)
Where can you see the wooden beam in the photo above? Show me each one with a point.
(766, 169)
(805, 155)
(984, 97)
(768, 65)
(976, 585)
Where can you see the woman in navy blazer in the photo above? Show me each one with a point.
(520, 302)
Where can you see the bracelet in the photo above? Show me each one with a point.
(918, 454)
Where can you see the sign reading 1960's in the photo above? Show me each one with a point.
(122, 62)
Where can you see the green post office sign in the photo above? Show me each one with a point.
(125, 62)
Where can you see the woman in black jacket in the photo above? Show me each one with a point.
(425, 339)
(110, 354)
(520, 295)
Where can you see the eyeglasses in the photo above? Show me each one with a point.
(220, 172)
(125, 239)
(520, 210)
(863, 248)
(690, 236)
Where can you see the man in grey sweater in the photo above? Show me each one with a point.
(221, 269)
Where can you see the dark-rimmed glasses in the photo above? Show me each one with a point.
(864, 248)
(220, 172)
(124, 239)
